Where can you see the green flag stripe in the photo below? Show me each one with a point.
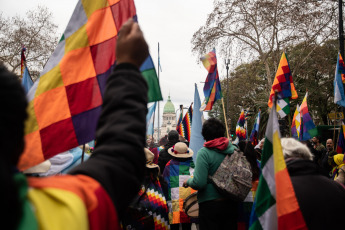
(264, 199)
(154, 92)
(256, 225)
(267, 152)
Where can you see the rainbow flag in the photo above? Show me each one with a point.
(341, 140)
(27, 81)
(339, 80)
(187, 123)
(241, 131)
(296, 124)
(308, 127)
(283, 85)
(254, 135)
(65, 103)
(276, 205)
(179, 126)
(212, 88)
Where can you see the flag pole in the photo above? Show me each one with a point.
(158, 134)
(153, 125)
(335, 118)
(226, 123)
(82, 155)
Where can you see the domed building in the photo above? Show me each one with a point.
(169, 120)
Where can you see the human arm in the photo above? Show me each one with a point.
(118, 161)
(200, 175)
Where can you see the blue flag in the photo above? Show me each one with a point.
(149, 119)
(196, 139)
(26, 81)
(339, 97)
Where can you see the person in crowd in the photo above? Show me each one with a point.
(215, 211)
(164, 156)
(176, 171)
(337, 164)
(258, 148)
(326, 157)
(150, 199)
(95, 194)
(184, 140)
(320, 199)
(245, 207)
(163, 141)
(317, 144)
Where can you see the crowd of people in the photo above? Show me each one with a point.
(132, 185)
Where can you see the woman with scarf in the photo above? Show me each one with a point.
(215, 211)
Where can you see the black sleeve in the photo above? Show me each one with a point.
(118, 161)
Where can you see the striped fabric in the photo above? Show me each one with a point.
(212, 88)
(308, 127)
(284, 86)
(175, 173)
(179, 126)
(71, 202)
(66, 101)
(241, 131)
(339, 80)
(296, 124)
(187, 123)
(255, 131)
(276, 203)
(154, 201)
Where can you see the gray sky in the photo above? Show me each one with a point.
(171, 23)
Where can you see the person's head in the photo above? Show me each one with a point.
(337, 160)
(163, 140)
(173, 136)
(180, 150)
(251, 155)
(212, 129)
(12, 116)
(316, 140)
(293, 149)
(329, 144)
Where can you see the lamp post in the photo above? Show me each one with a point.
(227, 62)
(341, 29)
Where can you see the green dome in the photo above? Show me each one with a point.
(169, 107)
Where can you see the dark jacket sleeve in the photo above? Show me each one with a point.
(118, 161)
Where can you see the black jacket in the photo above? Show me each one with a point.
(164, 157)
(118, 161)
(321, 200)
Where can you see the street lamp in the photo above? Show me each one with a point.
(227, 62)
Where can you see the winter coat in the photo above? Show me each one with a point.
(96, 192)
(320, 199)
(207, 162)
(164, 157)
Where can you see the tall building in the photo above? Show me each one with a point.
(169, 120)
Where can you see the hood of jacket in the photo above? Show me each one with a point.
(221, 145)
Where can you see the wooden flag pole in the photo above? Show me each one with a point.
(226, 123)
(335, 118)
(82, 155)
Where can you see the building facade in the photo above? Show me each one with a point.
(168, 122)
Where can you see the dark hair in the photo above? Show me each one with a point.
(12, 117)
(248, 149)
(163, 141)
(173, 136)
(212, 129)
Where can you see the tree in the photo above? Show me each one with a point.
(263, 28)
(36, 32)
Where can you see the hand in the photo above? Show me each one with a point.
(131, 46)
(185, 185)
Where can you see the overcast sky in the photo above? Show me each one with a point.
(171, 23)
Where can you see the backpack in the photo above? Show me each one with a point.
(233, 177)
